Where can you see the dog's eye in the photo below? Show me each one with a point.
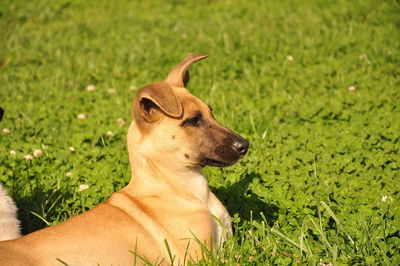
(194, 121)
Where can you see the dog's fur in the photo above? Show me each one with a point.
(172, 136)
(9, 224)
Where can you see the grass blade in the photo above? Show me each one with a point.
(287, 239)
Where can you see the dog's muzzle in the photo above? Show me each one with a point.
(234, 148)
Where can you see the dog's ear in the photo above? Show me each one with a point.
(154, 97)
(179, 75)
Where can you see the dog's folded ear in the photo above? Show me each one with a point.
(157, 96)
(179, 75)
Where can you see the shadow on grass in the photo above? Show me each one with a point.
(39, 202)
(238, 198)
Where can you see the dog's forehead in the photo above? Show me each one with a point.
(192, 103)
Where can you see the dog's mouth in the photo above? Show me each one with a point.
(215, 163)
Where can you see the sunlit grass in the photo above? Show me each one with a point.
(314, 86)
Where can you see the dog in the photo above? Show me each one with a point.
(166, 210)
(9, 224)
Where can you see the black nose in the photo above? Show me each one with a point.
(241, 146)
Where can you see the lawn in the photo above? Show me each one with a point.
(313, 85)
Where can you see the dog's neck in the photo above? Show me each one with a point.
(154, 178)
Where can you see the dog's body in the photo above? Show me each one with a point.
(172, 136)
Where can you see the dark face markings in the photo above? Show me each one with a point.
(212, 143)
(193, 120)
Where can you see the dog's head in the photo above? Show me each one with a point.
(179, 127)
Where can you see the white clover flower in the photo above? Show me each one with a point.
(133, 88)
(13, 153)
(386, 198)
(112, 91)
(321, 263)
(121, 121)
(69, 174)
(28, 157)
(351, 88)
(110, 134)
(362, 56)
(289, 58)
(81, 116)
(71, 148)
(6, 131)
(37, 153)
(91, 87)
(82, 187)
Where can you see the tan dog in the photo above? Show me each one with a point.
(173, 135)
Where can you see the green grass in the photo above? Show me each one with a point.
(322, 158)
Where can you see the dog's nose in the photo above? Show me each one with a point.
(241, 146)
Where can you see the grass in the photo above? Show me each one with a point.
(314, 86)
